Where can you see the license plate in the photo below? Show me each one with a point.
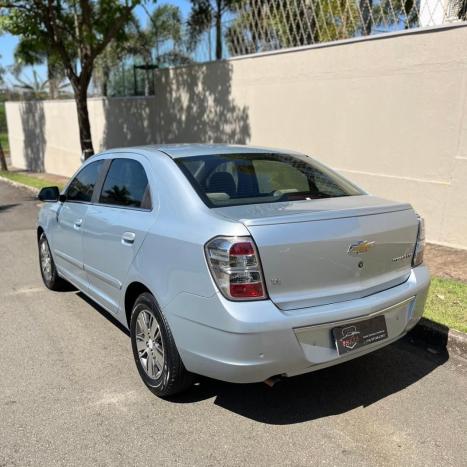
(355, 335)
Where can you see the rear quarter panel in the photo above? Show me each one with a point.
(171, 260)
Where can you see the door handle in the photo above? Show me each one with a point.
(128, 237)
(78, 223)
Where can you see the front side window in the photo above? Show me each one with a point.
(82, 186)
(239, 179)
(126, 185)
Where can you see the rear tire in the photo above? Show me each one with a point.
(47, 266)
(154, 350)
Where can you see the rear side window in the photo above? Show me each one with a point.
(239, 179)
(126, 184)
(82, 186)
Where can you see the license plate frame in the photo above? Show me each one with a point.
(355, 335)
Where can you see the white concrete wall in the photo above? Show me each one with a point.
(44, 135)
(389, 113)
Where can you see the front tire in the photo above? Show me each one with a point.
(47, 265)
(154, 350)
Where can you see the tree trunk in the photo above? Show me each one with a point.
(3, 165)
(365, 7)
(53, 83)
(218, 32)
(105, 81)
(209, 42)
(463, 10)
(85, 137)
(147, 86)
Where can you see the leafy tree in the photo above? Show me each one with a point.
(159, 43)
(79, 29)
(165, 26)
(393, 12)
(274, 24)
(205, 13)
(366, 7)
(30, 52)
(109, 60)
(35, 87)
(387, 13)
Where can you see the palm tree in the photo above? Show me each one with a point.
(165, 27)
(34, 87)
(275, 24)
(106, 63)
(205, 13)
(160, 43)
(31, 52)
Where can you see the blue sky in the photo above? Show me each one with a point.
(8, 42)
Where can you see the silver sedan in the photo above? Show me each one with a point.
(239, 263)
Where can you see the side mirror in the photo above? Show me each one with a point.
(50, 194)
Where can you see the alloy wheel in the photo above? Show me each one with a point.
(46, 260)
(149, 344)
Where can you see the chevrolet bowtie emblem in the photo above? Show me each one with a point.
(360, 247)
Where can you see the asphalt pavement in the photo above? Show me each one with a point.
(70, 393)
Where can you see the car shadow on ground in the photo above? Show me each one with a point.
(5, 207)
(104, 313)
(336, 390)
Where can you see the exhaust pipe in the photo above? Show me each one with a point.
(272, 381)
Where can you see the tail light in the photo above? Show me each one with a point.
(420, 245)
(235, 266)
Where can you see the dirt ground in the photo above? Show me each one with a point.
(446, 262)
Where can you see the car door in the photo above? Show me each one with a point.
(67, 240)
(115, 228)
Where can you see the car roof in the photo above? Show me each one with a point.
(176, 151)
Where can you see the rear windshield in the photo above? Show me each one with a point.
(239, 179)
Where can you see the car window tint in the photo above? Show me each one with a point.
(238, 179)
(274, 175)
(196, 166)
(326, 185)
(224, 178)
(126, 184)
(82, 186)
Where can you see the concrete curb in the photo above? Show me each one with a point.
(20, 185)
(438, 336)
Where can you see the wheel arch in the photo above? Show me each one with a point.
(132, 292)
(40, 231)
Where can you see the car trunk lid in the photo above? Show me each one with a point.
(316, 252)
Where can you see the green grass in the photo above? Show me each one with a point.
(4, 141)
(30, 180)
(447, 303)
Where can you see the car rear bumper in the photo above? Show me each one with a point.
(245, 342)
